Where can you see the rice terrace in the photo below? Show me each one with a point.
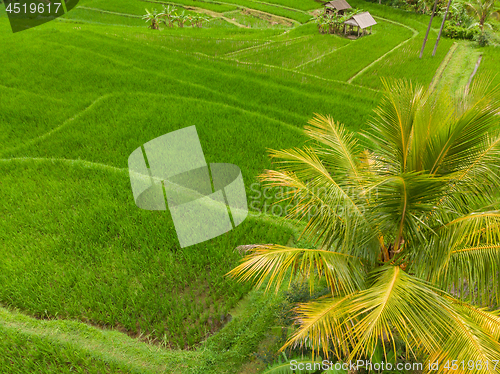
(371, 178)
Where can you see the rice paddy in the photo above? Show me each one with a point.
(79, 94)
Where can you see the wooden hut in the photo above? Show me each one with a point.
(339, 5)
(362, 21)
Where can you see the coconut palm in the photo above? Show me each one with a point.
(482, 10)
(404, 227)
(428, 29)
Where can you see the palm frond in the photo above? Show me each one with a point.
(323, 327)
(392, 128)
(355, 324)
(469, 341)
(339, 147)
(467, 253)
(341, 272)
(296, 365)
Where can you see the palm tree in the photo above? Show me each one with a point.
(482, 11)
(441, 28)
(428, 29)
(406, 230)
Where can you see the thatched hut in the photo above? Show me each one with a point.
(339, 5)
(362, 21)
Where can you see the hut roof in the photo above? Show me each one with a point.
(362, 20)
(338, 4)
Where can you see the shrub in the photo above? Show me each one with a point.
(459, 32)
(483, 38)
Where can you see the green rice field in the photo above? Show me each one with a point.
(89, 282)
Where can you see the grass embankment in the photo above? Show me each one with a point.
(76, 245)
(60, 346)
(77, 98)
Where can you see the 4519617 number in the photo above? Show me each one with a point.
(33, 8)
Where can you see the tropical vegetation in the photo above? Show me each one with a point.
(405, 220)
(89, 282)
(333, 22)
(483, 10)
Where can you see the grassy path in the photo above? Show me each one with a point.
(70, 338)
(442, 67)
(457, 69)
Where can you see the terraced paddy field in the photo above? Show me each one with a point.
(89, 282)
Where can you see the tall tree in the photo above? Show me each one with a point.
(441, 28)
(406, 226)
(428, 28)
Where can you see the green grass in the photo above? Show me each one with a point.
(79, 94)
(214, 6)
(346, 62)
(459, 69)
(93, 256)
(416, 21)
(23, 352)
(296, 15)
(138, 6)
(405, 62)
(301, 5)
(101, 259)
(94, 16)
(489, 64)
(59, 346)
(135, 7)
(244, 18)
(293, 53)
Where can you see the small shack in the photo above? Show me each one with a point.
(339, 5)
(362, 21)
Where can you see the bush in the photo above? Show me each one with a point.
(459, 32)
(483, 39)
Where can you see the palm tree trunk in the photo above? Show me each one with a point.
(441, 29)
(428, 29)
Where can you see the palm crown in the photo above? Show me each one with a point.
(406, 229)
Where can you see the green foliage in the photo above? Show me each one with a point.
(294, 365)
(359, 53)
(23, 352)
(153, 17)
(405, 229)
(482, 38)
(405, 61)
(482, 11)
(459, 32)
(168, 15)
(180, 18)
(459, 16)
